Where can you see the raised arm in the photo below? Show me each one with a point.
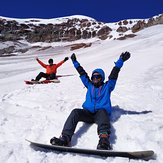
(83, 75)
(41, 63)
(63, 61)
(116, 69)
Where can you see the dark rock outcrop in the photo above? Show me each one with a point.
(73, 29)
(141, 24)
(67, 29)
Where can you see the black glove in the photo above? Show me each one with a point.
(125, 56)
(73, 57)
(66, 58)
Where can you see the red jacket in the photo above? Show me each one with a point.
(50, 69)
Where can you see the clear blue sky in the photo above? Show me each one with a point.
(101, 10)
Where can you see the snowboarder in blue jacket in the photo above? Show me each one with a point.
(97, 106)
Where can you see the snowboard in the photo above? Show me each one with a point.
(146, 155)
(42, 81)
(59, 76)
(47, 81)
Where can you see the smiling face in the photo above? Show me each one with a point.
(96, 78)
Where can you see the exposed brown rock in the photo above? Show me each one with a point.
(69, 30)
(78, 46)
(122, 29)
(104, 32)
(126, 36)
(125, 22)
(65, 31)
(139, 26)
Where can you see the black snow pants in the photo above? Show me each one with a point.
(44, 75)
(100, 117)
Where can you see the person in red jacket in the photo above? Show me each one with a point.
(51, 69)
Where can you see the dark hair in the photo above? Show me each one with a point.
(50, 60)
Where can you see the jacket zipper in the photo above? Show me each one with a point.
(99, 92)
(95, 101)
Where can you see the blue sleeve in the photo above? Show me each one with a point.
(85, 80)
(83, 75)
(114, 74)
(111, 84)
(119, 63)
(76, 64)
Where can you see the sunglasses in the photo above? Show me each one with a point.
(96, 76)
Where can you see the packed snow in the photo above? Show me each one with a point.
(38, 112)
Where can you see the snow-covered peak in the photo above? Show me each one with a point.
(37, 21)
(67, 29)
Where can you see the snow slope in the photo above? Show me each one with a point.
(38, 112)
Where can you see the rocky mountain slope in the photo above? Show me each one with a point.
(18, 35)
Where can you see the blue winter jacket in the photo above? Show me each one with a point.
(99, 98)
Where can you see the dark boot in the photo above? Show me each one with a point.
(62, 141)
(104, 143)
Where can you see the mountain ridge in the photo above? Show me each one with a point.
(24, 32)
